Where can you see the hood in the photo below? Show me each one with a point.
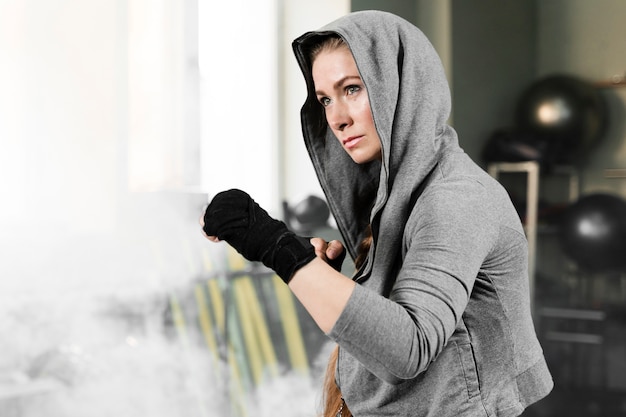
(410, 102)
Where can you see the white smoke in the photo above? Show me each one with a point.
(87, 327)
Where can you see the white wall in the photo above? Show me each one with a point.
(239, 92)
(85, 261)
(59, 128)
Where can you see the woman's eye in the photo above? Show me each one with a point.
(352, 89)
(324, 101)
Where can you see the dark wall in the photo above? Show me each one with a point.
(403, 8)
(493, 59)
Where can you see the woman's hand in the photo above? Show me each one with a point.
(211, 238)
(233, 216)
(331, 252)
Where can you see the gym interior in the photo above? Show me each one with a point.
(120, 119)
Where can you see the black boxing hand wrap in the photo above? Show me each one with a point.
(233, 216)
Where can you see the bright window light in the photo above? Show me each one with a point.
(239, 97)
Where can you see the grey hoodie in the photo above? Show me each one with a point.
(440, 323)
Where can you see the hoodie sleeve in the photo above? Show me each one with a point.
(447, 239)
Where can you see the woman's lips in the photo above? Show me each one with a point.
(352, 141)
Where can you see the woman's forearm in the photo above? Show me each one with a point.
(323, 291)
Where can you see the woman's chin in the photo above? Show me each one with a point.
(363, 158)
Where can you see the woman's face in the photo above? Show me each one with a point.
(341, 92)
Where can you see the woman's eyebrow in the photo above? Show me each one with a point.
(339, 83)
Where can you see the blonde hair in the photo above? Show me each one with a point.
(332, 400)
(327, 43)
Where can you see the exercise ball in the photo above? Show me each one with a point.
(312, 212)
(592, 232)
(565, 112)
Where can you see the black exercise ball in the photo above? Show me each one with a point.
(566, 112)
(592, 232)
(312, 212)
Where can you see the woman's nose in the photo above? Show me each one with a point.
(338, 117)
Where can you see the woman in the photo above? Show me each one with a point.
(437, 319)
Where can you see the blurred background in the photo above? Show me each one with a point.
(119, 120)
